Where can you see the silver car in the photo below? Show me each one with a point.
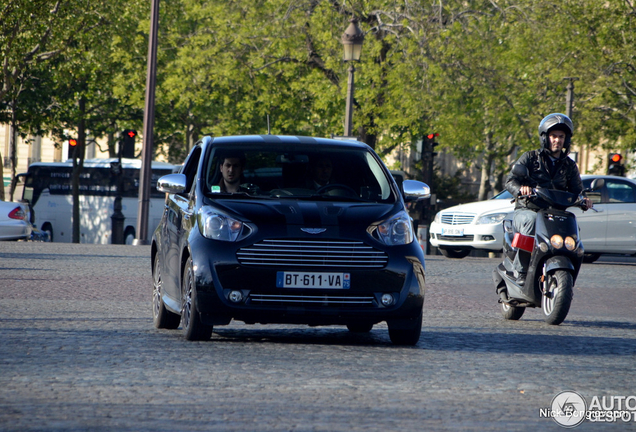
(14, 221)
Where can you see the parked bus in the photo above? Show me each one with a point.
(48, 190)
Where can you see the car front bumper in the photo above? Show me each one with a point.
(486, 237)
(263, 302)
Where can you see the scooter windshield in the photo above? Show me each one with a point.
(557, 198)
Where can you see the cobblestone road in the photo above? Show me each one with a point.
(78, 352)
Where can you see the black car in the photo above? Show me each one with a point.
(287, 229)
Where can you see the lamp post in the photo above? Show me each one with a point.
(352, 40)
(145, 176)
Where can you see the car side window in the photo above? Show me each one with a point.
(190, 167)
(619, 192)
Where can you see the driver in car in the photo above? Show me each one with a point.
(548, 167)
(320, 171)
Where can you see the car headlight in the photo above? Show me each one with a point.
(217, 226)
(491, 218)
(395, 231)
(438, 217)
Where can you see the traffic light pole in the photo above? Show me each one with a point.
(149, 122)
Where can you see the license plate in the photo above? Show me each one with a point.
(313, 280)
(453, 231)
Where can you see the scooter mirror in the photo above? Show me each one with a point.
(521, 171)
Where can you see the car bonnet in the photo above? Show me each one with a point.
(307, 213)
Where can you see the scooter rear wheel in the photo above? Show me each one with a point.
(511, 312)
(557, 299)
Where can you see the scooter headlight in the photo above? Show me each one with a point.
(556, 241)
(570, 243)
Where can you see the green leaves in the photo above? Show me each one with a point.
(481, 73)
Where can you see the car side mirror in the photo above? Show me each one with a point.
(172, 183)
(415, 190)
(596, 184)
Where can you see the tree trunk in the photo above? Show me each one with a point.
(486, 169)
(13, 151)
(1, 176)
(113, 147)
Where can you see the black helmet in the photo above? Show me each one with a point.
(556, 121)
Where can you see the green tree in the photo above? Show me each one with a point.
(85, 102)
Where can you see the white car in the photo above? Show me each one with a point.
(14, 221)
(458, 230)
(609, 228)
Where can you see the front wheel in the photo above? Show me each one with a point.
(193, 328)
(408, 335)
(557, 297)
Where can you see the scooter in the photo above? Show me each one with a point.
(556, 255)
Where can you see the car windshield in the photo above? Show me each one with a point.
(503, 195)
(337, 173)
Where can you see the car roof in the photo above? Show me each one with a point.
(103, 163)
(285, 139)
(607, 177)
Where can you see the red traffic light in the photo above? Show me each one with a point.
(615, 157)
(433, 135)
(72, 142)
(131, 133)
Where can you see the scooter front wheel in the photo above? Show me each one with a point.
(511, 312)
(557, 297)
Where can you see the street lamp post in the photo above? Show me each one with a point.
(145, 176)
(352, 40)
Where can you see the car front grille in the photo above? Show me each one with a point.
(312, 253)
(309, 300)
(457, 218)
(463, 238)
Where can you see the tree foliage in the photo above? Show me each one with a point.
(482, 73)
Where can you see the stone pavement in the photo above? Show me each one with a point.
(78, 352)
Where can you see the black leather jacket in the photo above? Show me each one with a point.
(565, 176)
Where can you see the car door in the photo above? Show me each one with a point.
(621, 215)
(592, 223)
(173, 232)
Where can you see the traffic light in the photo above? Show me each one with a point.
(428, 154)
(72, 146)
(127, 143)
(615, 165)
(431, 139)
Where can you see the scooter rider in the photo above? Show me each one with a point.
(549, 167)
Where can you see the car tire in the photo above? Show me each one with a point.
(454, 253)
(193, 327)
(359, 327)
(591, 257)
(161, 317)
(406, 335)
